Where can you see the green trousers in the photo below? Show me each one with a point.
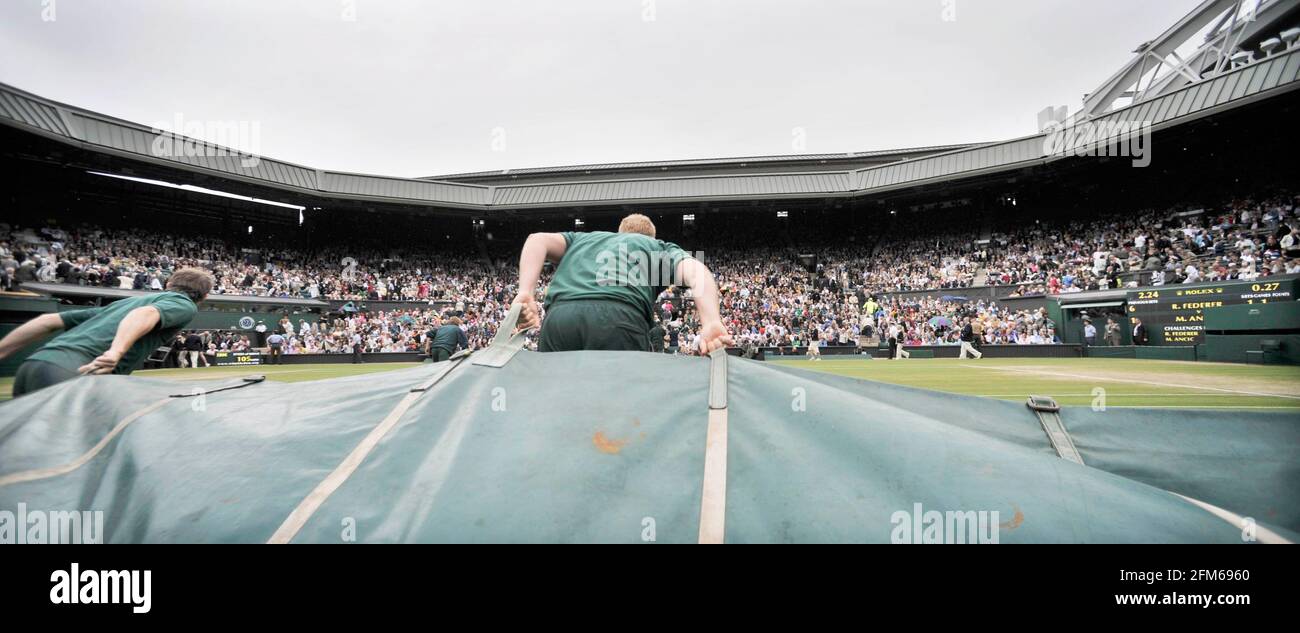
(587, 324)
(37, 374)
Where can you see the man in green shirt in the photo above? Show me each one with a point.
(605, 284)
(447, 338)
(116, 338)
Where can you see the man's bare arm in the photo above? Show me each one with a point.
(538, 249)
(137, 323)
(697, 276)
(30, 332)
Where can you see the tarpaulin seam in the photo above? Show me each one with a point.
(713, 500)
(317, 497)
(45, 473)
(1262, 534)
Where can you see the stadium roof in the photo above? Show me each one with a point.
(878, 157)
(789, 177)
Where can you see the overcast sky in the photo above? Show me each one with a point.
(427, 87)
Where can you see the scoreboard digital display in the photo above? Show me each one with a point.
(237, 358)
(1175, 315)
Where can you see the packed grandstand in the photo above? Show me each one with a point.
(770, 299)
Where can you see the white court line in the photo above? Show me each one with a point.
(269, 374)
(1109, 395)
(1139, 382)
(1233, 407)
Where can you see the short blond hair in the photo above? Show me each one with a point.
(637, 223)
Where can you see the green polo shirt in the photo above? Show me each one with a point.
(626, 267)
(90, 332)
(450, 336)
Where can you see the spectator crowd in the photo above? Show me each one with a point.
(769, 297)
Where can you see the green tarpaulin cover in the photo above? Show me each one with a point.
(610, 447)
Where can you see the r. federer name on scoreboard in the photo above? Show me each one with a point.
(1200, 305)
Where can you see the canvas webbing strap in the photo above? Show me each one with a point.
(506, 344)
(243, 382)
(1049, 415)
(313, 501)
(713, 503)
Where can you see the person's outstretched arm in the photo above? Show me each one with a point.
(137, 323)
(539, 249)
(697, 276)
(30, 332)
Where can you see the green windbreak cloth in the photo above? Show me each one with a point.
(609, 447)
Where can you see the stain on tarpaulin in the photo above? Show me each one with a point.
(607, 445)
(1016, 519)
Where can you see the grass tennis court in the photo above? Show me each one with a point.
(1127, 382)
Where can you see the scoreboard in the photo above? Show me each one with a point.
(237, 358)
(1175, 314)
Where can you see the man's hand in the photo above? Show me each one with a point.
(102, 365)
(714, 336)
(528, 315)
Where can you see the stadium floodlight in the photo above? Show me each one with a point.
(202, 190)
(577, 222)
(689, 217)
(1241, 58)
(1290, 36)
(782, 214)
(1269, 45)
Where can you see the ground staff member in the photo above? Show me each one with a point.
(116, 338)
(968, 340)
(194, 348)
(275, 345)
(447, 339)
(603, 292)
